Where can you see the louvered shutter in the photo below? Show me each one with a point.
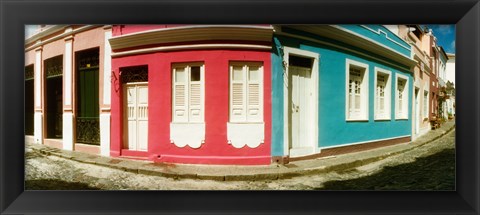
(400, 98)
(381, 95)
(237, 93)
(254, 92)
(355, 87)
(180, 93)
(195, 94)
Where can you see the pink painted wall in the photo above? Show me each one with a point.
(215, 150)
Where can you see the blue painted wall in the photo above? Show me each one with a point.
(334, 130)
(393, 41)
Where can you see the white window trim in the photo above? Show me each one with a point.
(365, 94)
(183, 133)
(388, 94)
(246, 82)
(187, 84)
(405, 100)
(254, 127)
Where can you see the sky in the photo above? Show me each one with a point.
(445, 35)
(29, 30)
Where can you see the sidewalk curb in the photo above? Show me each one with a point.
(145, 169)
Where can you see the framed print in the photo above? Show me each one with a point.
(174, 83)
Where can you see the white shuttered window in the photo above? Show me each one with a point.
(401, 97)
(246, 92)
(188, 93)
(382, 94)
(356, 104)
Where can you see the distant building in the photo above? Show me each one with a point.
(450, 77)
(420, 40)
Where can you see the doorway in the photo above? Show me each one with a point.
(54, 96)
(29, 100)
(135, 107)
(301, 105)
(417, 111)
(87, 118)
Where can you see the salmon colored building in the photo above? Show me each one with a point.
(67, 87)
(192, 94)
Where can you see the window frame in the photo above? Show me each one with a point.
(425, 103)
(245, 83)
(387, 97)
(187, 84)
(364, 93)
(405, 101)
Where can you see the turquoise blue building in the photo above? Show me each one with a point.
(339, 88)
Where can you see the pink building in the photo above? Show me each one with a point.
(68, 87)
(192, 94)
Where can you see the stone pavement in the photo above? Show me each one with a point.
(249, 173)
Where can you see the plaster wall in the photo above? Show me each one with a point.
(334, 130)
(216, 148)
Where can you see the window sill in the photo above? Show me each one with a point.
(401, 118)
(356, 120)
(246, 122)
(186, 123)
(237, 138)
(191, 134)
(382, 119)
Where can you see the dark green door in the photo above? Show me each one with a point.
(87, 120)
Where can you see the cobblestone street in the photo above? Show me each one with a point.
(428, 167)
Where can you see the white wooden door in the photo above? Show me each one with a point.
(300, 97)
(136, 113)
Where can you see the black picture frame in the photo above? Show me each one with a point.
(15, 14)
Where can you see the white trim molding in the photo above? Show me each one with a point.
(107, 66)
(68, 140)
(68, 72)
(38, 128)
(38, 78)
(105, 134)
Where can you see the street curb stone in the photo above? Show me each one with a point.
(271, 172)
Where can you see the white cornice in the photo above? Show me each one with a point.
(58, 37)
(47, 31)
(193, 33)
(191, 47)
